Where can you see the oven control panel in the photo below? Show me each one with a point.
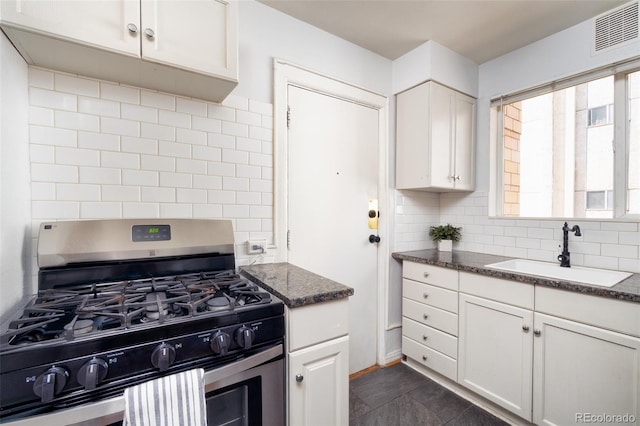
(114, 370)
(150, 233)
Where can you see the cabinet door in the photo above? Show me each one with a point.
(442, 114)
(95, 23)
(198, 35)
(495, 352)
(319, 384)
(464, 155)
(584, 371)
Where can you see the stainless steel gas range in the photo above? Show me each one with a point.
(122, 302)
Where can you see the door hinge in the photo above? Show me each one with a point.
(288, 239)
(288, 117)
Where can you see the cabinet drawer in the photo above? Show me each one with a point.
(428, 274)
(505, 291)
(428, 315)
(430, 295)
(430, 358)
(616, 315)
(319, 322)
(430, 337)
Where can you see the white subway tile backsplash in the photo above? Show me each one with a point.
(77, 192)
(620, 226)
(157, 162)
(172, 149)
(261, 211)
(235, 211)
(207, 182)
(616, 250)
(194, 137)
(631, 265)
(119, 126)
(55, 210)
(631, 238)
(206, 124)
(174, 119)
(42, 154)
(77, 156)
(236, 102)
(605, 262)
(221, 141)
(121, 193)
(176, 210)
(243, 170)
(100, 210)
(233, 156)
(235, 184)
(53, 173)
(76, 121)
(120, 160)
(235, 129)
(140, 210)
(207, 211)
(261, 133)
(43, 191)
(220, 112)
(139, 113)
(175, 180)
(248, 225)
(53, 100)
(98, 141)
(191, 196)
(600, 236)
(139, 145)
(222, 197)
(157, 100)
(206, 153)
(99, 175)
(98, 107)
(221, 169)
(160, 195)
(250, 118)
(77, 85)
(157, 131)
(140, 177)
(39, 77)
(260, 159)
(191, 106)
(41, 116)
(195, 167)
(261, 107)
(116, 92)
(261, 185)
(245, 144)
(249, 198)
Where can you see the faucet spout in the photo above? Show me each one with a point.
(565, 256)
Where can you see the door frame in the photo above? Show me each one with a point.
(285, 74)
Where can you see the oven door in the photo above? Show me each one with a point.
(246, 397)
(249, 391)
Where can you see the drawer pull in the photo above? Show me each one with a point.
(425, 338)
(425, 295)
(537, 332)
(525, 328)
(426, 274)
(425, 316)
(424, 357)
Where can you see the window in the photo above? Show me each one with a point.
(600, 116)
(560, 152)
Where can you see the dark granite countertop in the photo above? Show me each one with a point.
(293, 285)
(628, 290)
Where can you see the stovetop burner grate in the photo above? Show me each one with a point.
(84, 310)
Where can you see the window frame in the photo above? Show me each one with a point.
(622, 129)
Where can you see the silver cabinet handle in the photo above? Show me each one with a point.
(525, 328)
(537, 333)
(425, 295)
(424, 357)
(425, 316)
(149, 33)
(425, 338)
(132, 28)
(299, 378)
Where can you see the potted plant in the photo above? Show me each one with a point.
(445, 235)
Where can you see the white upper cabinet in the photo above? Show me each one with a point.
(435, 139)
(183, 47)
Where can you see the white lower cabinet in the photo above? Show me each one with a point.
(318, 364)
(496, 352)
(584, 374)
(320, 387)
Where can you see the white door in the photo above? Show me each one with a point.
(332, 175)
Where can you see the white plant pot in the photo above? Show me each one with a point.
(445, 245)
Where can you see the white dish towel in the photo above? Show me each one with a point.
(176, 400)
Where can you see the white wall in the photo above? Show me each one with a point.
(15, 212)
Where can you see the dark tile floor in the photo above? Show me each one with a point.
(399, 396)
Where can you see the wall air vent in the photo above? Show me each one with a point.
(616, 28)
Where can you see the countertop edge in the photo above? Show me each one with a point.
(618, 291)
(319, 289)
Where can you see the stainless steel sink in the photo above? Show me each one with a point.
(599, 277)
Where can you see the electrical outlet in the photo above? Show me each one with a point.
(256, 246)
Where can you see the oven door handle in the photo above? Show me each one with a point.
(230, 370)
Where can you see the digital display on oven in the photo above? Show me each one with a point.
(151, 233)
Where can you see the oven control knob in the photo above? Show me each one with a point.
(220, 343)
(244, 337)
(48, 385)
(163, 356)
(92, 373)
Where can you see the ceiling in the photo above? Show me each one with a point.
(480, 30)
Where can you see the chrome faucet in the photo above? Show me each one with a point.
(565, 256)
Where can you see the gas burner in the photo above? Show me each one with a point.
(218, 304)
(83, 326)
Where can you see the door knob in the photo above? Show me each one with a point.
(374, 239)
